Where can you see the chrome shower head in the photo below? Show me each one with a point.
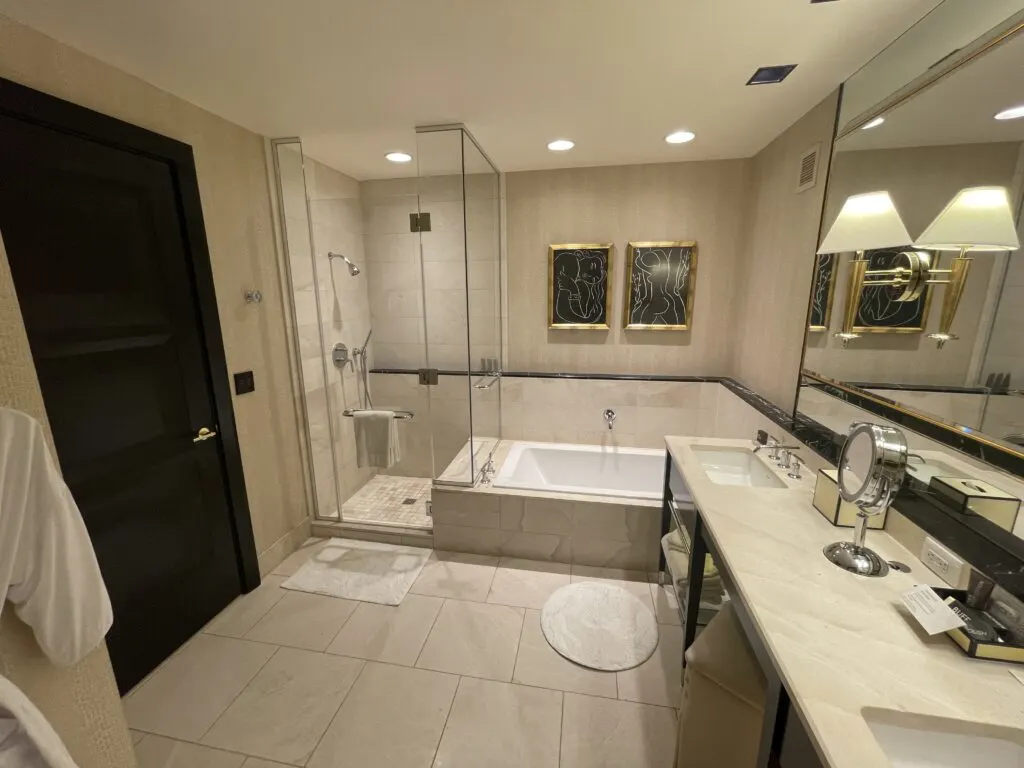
(353, 269)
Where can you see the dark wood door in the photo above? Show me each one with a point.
(96, 241)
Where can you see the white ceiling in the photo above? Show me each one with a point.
(353, 77)
(959, 109)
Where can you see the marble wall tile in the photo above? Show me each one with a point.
(535, 515)
(610, 439)
(457, 538)
(614, 522)
(640, 556)
(536, 546)
(477, 510)
(676, 394)
(653, 423)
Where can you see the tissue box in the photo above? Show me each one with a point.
(978, 497)
(831, 505)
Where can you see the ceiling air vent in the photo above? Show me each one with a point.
(808, 168)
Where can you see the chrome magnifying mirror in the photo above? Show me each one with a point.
(872, 466)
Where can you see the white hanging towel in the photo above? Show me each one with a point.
(26, 739)
(48, 568)
(376, 439)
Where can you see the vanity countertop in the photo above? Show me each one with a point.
(839, 642)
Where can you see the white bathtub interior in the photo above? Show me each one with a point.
(585, 469)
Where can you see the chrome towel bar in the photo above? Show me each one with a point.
(403, 415)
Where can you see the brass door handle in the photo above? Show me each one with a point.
(203, 434)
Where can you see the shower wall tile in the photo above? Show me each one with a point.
(436, 289)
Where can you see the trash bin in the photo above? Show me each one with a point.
(723, 698)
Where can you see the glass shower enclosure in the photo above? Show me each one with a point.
(460, 256)
(426, 291)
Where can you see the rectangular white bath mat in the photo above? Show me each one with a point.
(361, 570)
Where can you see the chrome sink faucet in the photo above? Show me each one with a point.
(763, 440)
(609, 417)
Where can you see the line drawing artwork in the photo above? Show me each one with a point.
(821, 292)
(659, 288)
(661, 285)
(581, 286)
(878, 308)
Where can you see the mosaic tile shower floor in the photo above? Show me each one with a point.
(388, 500)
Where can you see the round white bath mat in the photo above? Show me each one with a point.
(600, 626)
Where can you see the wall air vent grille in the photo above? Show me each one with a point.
(808, 169)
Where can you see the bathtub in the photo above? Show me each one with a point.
(637, 473)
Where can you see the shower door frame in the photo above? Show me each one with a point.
(297, 360)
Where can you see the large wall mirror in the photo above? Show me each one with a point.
(916, 312)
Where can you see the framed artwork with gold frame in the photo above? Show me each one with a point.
(823, 290)
(661, 277)
(580, 286)
(877, 310)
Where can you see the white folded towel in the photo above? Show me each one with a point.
(377, 439)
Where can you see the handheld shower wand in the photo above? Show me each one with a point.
(353, 268)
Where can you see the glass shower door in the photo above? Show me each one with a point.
(458, 191)
(445, 319)
(482, 200)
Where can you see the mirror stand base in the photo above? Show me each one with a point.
(859, 560)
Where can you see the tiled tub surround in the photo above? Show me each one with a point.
(580, 529)
(558, 409)
(584, 529)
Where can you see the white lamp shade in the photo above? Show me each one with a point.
(866, 222)
(978, 218)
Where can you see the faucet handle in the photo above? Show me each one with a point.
(795, 463)
(609, 417)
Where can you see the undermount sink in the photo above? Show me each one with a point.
(921, 741)
(736, 466)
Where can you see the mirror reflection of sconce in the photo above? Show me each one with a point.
(866, 222)
(976, 219)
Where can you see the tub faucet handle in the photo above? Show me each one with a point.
(610, 417)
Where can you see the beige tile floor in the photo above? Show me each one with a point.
(458, 676)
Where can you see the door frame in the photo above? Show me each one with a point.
(28, 105)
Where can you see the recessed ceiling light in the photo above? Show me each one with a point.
(561, 145)
(1012, 113)
(872, 123)
(398, 157)
(768, 75)
(680, 137)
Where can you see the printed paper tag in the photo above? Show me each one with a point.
(929, 610)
